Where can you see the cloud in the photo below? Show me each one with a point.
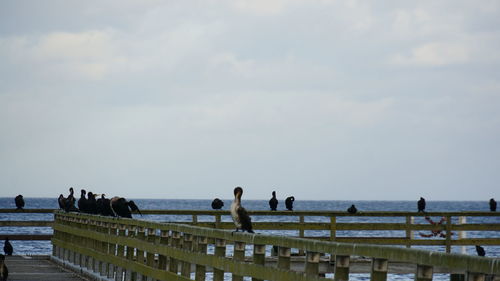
(434, 54)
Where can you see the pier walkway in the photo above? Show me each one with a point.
(33, 268)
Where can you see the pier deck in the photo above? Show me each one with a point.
(37, 268)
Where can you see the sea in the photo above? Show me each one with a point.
(45, 248)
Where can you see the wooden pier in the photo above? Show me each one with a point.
(32, 268)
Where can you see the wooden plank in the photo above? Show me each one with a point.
(25, 237)
(26, 223)
(37, 268)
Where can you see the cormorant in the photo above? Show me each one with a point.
(62, 201)
(493, 205)
(69, 205)
(91, 203)
(352, 209)
(123, 208)
(103, 207)
(240, 216)
(273, 202)
(421, 205)
(82, 202)
(217, 204)
(19, 202)
(4, 272)
(7, 247)
(480, 251)
(289, 203)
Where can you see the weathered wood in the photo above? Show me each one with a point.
(173, 264)
(379, 269)
(187, 245)
(424, 273)
(238, 255)
(38, 268)
(342, 264)
(259, 257)
(312, 263)
(284, 258)
(220, 251)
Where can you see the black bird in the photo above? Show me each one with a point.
(217, 204)
(7, 247)
(103, 206)
(4, 272)
(19, 202)
(480, 251)
(69, 205)
(273, 202)
(91, 203)
(240, 216)
(62, 202)
(123, 208)
(289, 203)
(421, 205)
(82, 202)
(352, 209)
(493, 205)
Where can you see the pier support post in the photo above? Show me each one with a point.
(201, 248)
(187, 245)
(342, 268)
(312, 263)
(424, 273)
(175, 243)
(457, 277)
(379, 269)
(284, 254)
(473, 276)
(220, 251)
(259, 256)
(238, 255)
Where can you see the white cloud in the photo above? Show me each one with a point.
(434, 54)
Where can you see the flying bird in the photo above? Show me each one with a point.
(273, 202)
(123, 208)
(289, 203)
(19, 202)
(493, 205)
(4, 271)
(7, 247)
(352, 209)
(217, 204)
(480, 251)
(240, 216)
(421, 205)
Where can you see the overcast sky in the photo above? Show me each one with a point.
(323, 100)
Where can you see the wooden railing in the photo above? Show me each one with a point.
(124, 249)
(330, 227)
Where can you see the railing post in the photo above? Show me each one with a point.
(462, 234)
(342, 268)
(312, 263)
(131, 275)
(120, 252)
(112, 270)
(301, 231)
(379, 269)
(238, 255)
(174, 242)
(457, 277)
(162, 260)
(220, 251)
(284, 254)
(448, 234)
(409, 233)
(259, 256)
(424, 273)
(187, 245)
(333, 228)
(201, 248)
(217, 221)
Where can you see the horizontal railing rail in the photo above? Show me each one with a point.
(123, 249)
(405, 232)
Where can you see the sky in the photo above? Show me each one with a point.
(319, 99)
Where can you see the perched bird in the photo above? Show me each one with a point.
(352, 209)
(103, 206)
(19, 202)
(480, 251)
(4, 272)
(421, 205)
(69, 205)
(273, 202)
(123, 208)
(91, 203)
(217, 204)
(493, 205)
(62, 202)
(82, 202)
(240, 216)
(289, 203)
(7, 247)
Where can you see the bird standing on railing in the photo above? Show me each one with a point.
(217, 204)
(4, 272)
(289, 203)
(103, 206)
(493, 205)
(82, 202)
(91, 203)
(421, 205)
(273, 202)
(19, 202)
(7, 247)
(352, 209)
(62, 202)
(240, 216)
(480, 251)
(123, 208)
(69, 205)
